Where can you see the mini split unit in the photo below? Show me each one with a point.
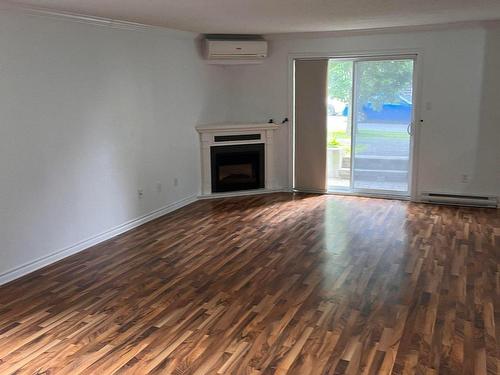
(234, 48)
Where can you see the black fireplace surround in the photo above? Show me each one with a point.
(237, 167)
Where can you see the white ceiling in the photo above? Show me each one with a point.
(279, 16)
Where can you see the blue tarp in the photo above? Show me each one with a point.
(399, 113)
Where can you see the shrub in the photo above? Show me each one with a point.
(333, 142)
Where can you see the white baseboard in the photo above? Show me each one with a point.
(92, 241)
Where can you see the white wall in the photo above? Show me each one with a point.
(459, 132)
(488, 138)
(88, 115)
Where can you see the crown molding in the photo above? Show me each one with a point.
(91, 20)
(491, 25)
(384, 30)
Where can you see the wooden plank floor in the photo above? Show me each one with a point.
(273, 284)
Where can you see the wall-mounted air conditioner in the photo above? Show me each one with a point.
(459, 200)
(241, 48)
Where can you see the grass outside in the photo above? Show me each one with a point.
(340, 135)
(368, 133)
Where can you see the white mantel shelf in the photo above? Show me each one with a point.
(208, 133)
(235, 126)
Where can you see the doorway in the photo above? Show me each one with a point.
(370, 115)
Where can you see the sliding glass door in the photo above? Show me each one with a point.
(370, 115)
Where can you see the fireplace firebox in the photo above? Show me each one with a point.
(237, 167)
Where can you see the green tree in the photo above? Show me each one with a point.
(379, 81)
(340, 80)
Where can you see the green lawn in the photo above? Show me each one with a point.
(340, 136)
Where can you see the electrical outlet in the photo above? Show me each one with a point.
(465, 179)
(140, 193)
(159, 187)
(176, 182)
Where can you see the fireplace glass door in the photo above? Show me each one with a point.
(237, 167)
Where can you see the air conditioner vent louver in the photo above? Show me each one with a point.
(459, 199)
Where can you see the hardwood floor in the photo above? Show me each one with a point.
(272, 284)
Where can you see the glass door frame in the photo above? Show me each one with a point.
(412, 127)
(413, 53)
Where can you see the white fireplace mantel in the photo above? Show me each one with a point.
(207, 139)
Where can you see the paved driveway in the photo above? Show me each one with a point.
(382, 140)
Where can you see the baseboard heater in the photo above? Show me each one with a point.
(460, 200)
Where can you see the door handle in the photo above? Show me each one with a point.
(409, 128)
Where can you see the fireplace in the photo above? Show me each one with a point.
(237, 167)
(237, 157)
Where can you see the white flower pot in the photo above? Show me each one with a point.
(334, 161)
